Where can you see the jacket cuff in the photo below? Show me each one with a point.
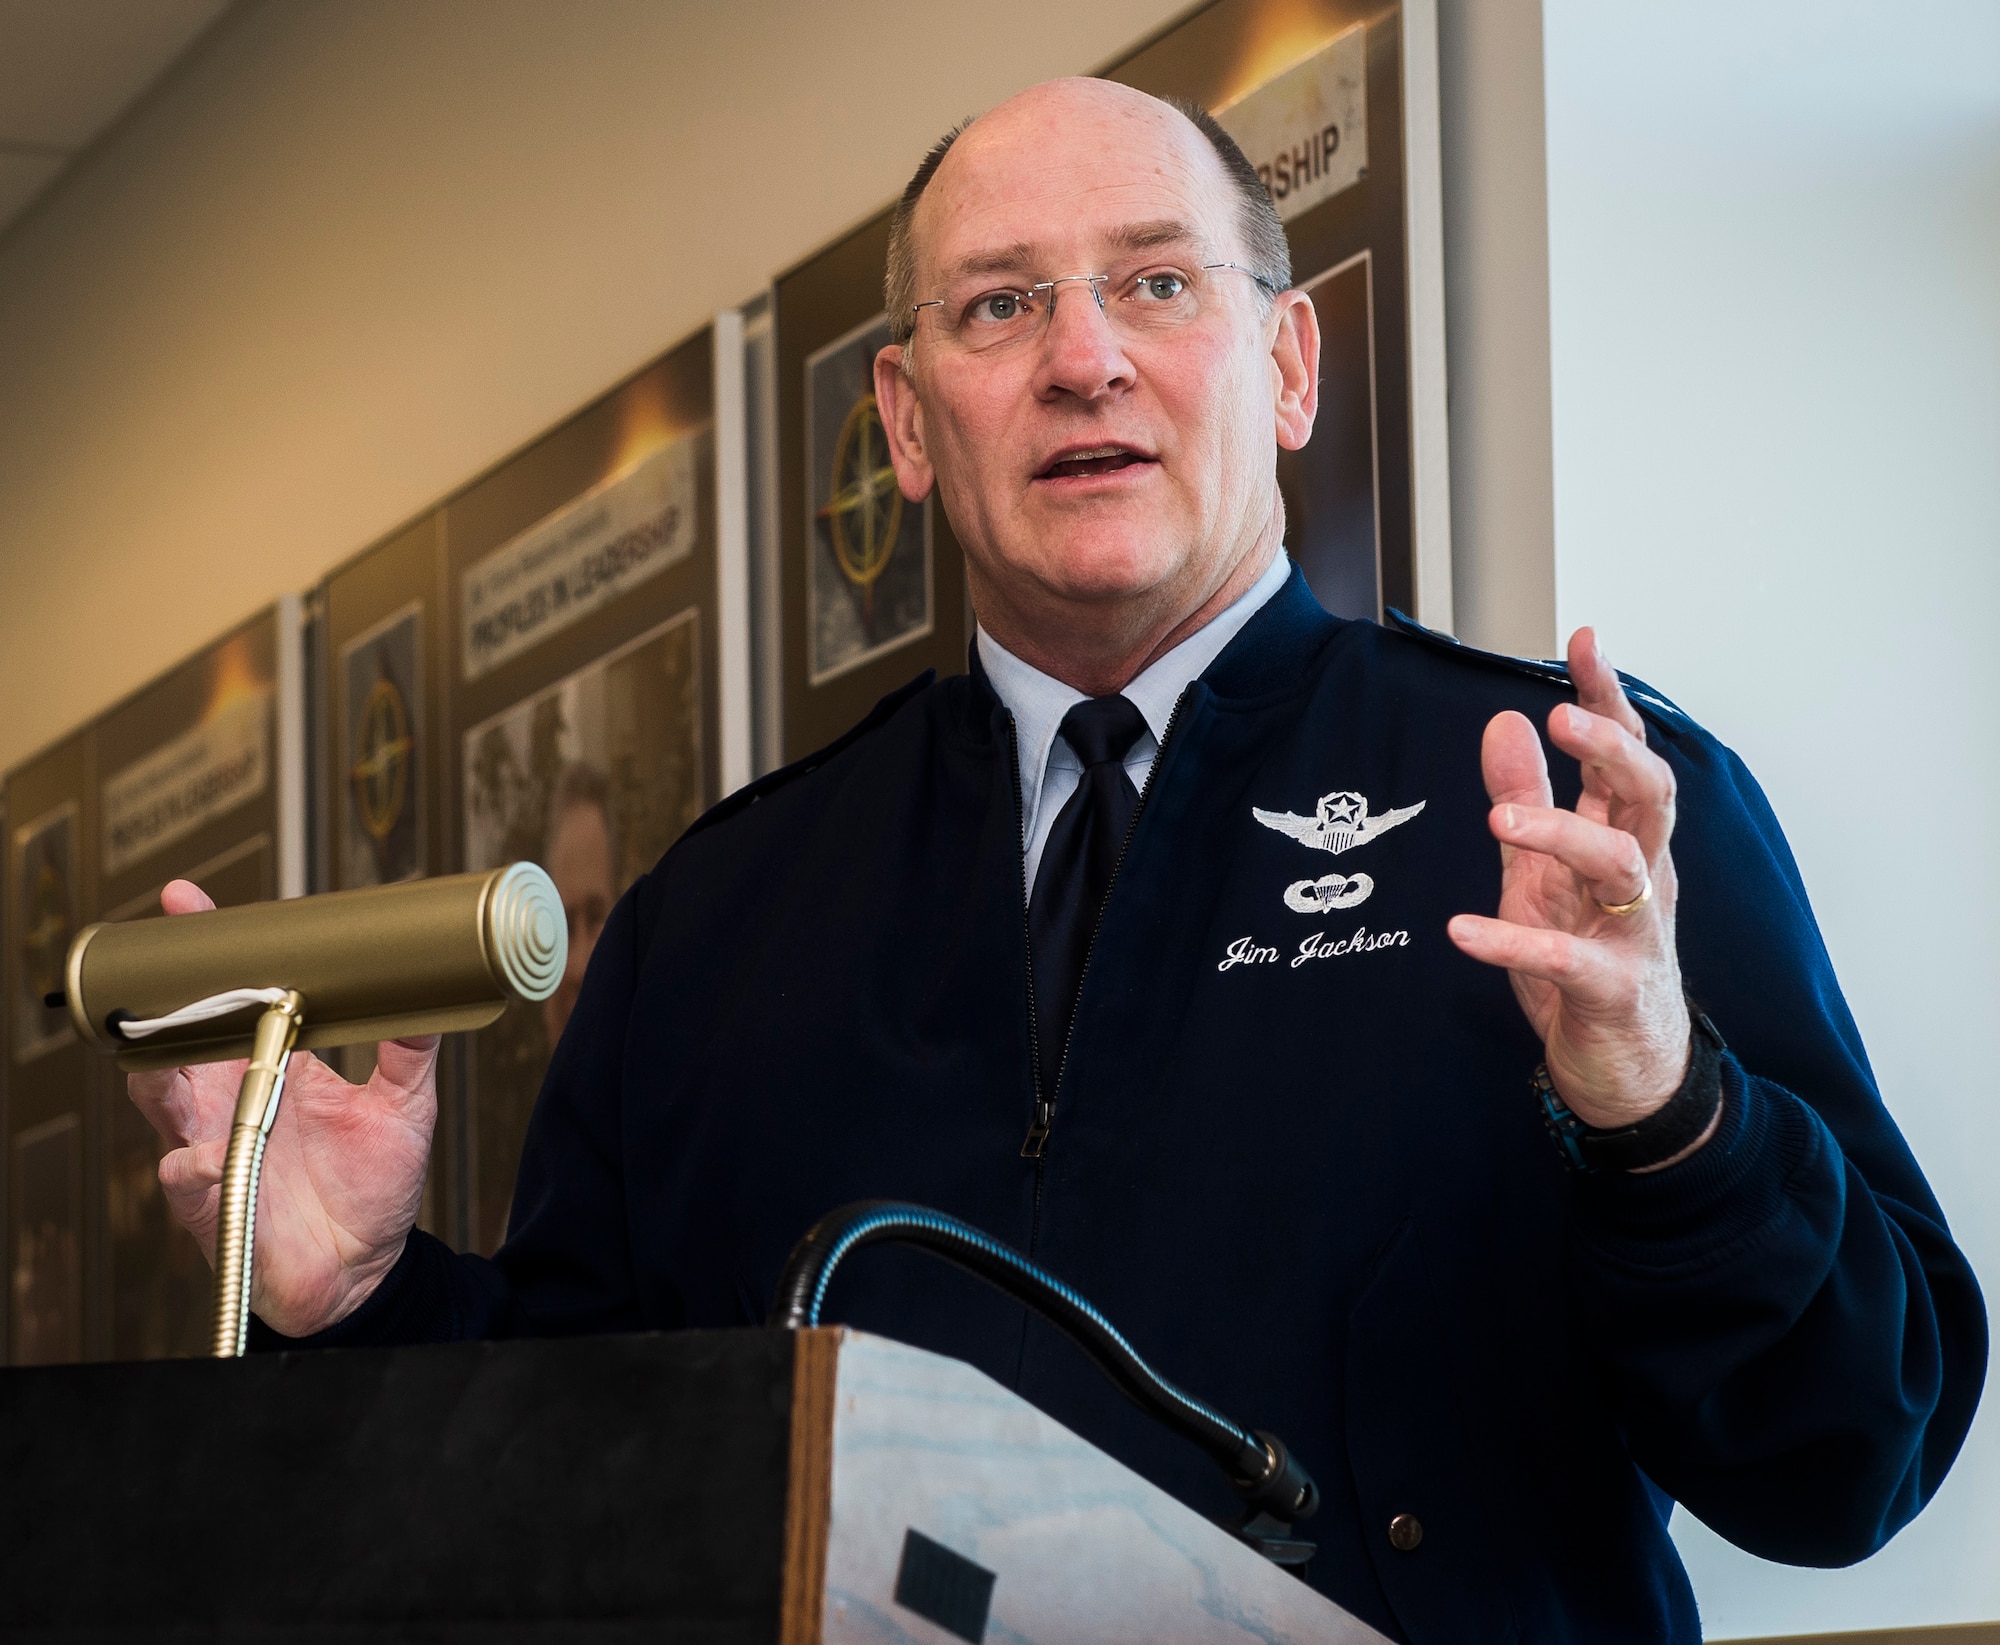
(1719, 1199)
(412, 1304)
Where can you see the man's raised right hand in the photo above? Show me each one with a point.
(343, 1170)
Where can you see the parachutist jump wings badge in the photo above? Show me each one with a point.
(1339, 822)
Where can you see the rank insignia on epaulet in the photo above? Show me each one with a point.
(1648, 701)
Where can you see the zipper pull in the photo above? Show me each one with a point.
(1038, 1133)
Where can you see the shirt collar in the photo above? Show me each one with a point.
(1039, 701)
(1159, 687)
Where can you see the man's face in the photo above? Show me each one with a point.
(1093, 464)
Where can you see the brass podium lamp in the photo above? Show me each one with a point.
(425, 957)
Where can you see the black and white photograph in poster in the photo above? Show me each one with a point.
(593, 778)
(45, 894)
(47, 1288)
(869, 584)
(381, 707)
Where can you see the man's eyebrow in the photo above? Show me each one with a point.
(1012, 259)
(1162, 231)
(1021, 258)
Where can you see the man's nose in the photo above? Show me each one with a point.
(1082, 353)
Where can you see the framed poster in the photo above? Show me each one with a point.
(45, 1191)
(870, 589)
(1313, 92)
(53, 1115)
(581, 580)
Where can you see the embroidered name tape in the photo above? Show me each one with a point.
(1319, 946)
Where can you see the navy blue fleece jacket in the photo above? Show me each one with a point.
(1295, 1155)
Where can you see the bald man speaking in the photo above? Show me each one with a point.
(1524, 1190)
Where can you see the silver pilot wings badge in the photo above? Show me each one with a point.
(1339, 822)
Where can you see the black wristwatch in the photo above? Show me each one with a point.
(1661, 1134)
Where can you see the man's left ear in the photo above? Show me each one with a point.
(903, 421)
(1295, 368)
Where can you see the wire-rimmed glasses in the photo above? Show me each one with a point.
(1146, 301)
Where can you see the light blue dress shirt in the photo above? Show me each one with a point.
(1050, 769)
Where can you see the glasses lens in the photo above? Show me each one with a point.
(1140, 301)
(1153, 300)
(990, 319)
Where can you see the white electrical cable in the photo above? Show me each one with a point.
(216, 1005)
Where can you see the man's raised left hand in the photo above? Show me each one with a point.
(1603, 990)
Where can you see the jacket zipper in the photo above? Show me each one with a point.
(1042, 1104)
(1045, 1104)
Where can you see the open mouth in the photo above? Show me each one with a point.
(1094, 460)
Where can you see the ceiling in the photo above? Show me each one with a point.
(68, 69)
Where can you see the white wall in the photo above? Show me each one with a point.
(1775, 298)
(359, 251)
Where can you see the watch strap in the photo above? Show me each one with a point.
(1660, 1135)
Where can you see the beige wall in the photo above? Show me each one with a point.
(1496, 239)
(354, 253)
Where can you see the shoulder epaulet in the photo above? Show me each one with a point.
(750, 793)
(1655, 704)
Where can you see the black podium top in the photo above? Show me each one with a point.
(594, 1489)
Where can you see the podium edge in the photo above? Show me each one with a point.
(809, 1484)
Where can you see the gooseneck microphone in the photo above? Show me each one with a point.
(1274, 1485)
(388, 962)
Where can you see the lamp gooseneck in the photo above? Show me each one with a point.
(236, 1216)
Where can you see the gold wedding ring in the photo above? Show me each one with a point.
(1621, 909)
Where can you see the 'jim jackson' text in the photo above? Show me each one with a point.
(1248, 951)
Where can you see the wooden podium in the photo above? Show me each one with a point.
(711, 1486)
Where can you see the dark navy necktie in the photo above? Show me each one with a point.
(1077, 864)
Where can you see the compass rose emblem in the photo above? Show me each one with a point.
(864, 511)
(381, 770)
